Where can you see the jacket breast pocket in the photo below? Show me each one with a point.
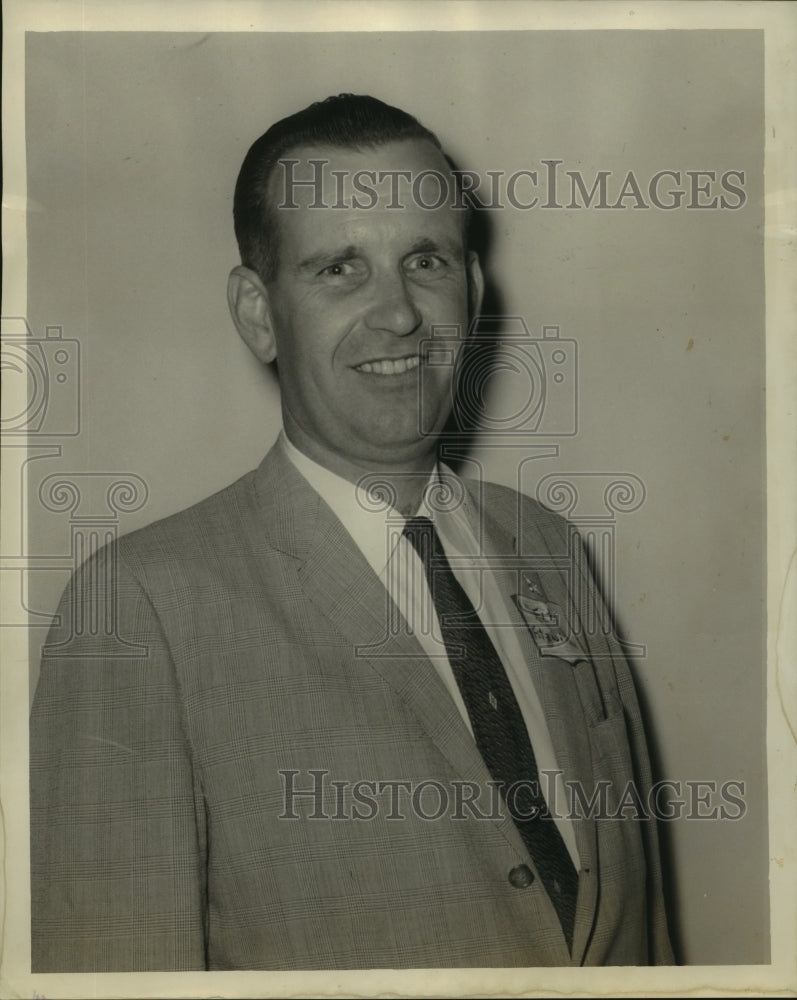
(611, 750)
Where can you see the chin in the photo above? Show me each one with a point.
(403, 430)
(393, 449)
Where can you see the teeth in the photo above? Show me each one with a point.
(390, 366)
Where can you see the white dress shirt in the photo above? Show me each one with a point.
(376, 529)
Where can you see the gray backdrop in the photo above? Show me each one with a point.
(133, 144)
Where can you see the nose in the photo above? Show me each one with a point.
(392, 310)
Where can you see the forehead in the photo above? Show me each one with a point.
(404, 187)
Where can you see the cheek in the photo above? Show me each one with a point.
(297, 329)
(309, 372)
(445, 303)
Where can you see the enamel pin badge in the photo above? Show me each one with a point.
(547, 624)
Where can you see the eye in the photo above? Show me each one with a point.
(340, 269)
(427, 262)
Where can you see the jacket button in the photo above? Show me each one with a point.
(521, 877)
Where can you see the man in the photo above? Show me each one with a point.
(344, 694)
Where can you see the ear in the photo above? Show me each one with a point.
(248, 301)
(475, 284)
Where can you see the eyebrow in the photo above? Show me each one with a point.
(325, 257)
(424, 244)
(427, 245)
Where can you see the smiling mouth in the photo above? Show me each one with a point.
(389, 366)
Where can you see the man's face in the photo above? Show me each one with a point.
(356, 293)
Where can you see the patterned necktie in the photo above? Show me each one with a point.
(497, 722)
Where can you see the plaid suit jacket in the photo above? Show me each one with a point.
(204, 775)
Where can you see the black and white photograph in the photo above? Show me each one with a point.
(398, 485)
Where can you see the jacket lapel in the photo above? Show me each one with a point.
(339, 581)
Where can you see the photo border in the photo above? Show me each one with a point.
(779, 23)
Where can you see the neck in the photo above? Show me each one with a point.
(404, 481)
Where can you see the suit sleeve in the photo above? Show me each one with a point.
(616, 675)
(118, 843)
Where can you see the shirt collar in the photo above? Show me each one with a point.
(375, 525)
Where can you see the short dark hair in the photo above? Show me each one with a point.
(348, 121)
